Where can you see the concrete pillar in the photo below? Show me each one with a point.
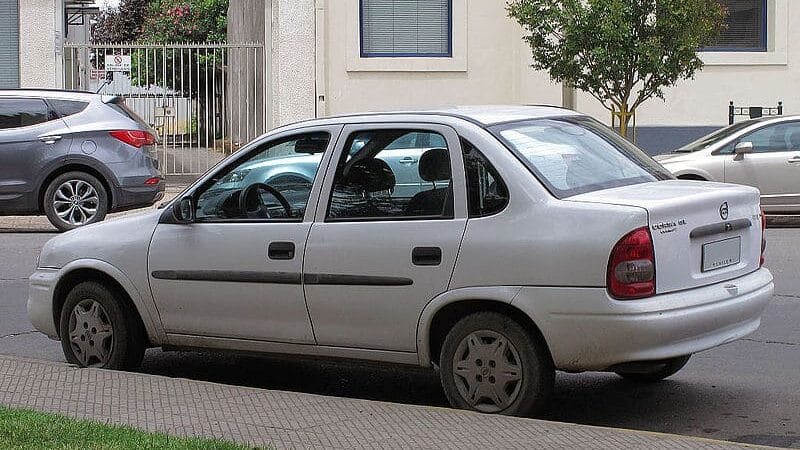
(293, 61)
(40, 36)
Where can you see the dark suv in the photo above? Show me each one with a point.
(74, 156)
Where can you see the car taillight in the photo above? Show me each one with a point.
(152, 181)
(134, 138)
(632, 266)
(763, 236)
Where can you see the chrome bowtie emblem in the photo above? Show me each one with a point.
(723, 211)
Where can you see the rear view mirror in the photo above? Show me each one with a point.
(742, 148)
(183, 211)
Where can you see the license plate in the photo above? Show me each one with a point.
(724, 253)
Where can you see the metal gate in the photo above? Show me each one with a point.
(204, 100)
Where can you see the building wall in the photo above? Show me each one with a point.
(40, 31)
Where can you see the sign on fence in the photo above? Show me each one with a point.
(118, 63)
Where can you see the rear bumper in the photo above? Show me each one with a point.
(585, 329)
(130, 197)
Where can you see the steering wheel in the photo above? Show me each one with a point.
(252, 205)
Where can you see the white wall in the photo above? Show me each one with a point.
(40, 32)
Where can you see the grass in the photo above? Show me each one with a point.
(24, 429)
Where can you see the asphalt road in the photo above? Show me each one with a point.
(747, 391)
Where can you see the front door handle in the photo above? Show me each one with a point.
(426, 256)
(408, 160)
(50, 139)
(281, 250)
(795, 160)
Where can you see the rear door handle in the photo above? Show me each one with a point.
(408, 160)
(426, 256)
(794, 160)
(281, 250)
(50, 139)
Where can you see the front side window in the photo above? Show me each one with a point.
(274, 183)
(746, 27)
(382, 176)
(406, 28)
(571, 156)
(783, 137)
(22, 112)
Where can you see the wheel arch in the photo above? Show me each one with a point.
(99, 271)
(442, 313)
(74, 167)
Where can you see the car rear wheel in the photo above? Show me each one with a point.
(490, 363)
(74, 199)
(658, 371)
(97, 329)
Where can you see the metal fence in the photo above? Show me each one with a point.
(204, 100)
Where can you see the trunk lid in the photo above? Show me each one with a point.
(703, 233)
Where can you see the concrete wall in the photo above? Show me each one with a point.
(40, 32)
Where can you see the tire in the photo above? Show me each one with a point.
(472, 382)
(660, 370)
(110, 335)
(74, 199)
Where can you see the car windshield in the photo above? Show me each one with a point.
(710, 139)
(571, 156)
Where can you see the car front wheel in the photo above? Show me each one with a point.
(98, 330)
(74, 199)
(492, 364)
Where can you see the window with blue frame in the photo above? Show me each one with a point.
(406, 28)
(746, 29)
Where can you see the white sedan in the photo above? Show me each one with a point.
(537, 241)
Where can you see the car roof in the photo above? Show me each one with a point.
(50, 93)
(484, 115)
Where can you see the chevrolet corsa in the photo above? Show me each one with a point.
(529, 240)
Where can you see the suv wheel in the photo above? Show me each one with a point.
(98, 330)
(74, 199)
(492, 364)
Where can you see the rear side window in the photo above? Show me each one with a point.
(571, 156)
(486, 192)
(22, 112)
(66, 108)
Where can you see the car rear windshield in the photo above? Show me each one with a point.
(118, 105)
(572, 156)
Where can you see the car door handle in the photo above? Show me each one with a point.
(408, 160)
(281, 250)
(426, 256)
(794, 160)
(50, 139)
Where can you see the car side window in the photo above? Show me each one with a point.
(272, 184)
(66, 108)
(782, 137)
(487, 194)
(22, 112)
(392, 174)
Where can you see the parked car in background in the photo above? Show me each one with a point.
(535, 239)
(74, 156)
(764, 153)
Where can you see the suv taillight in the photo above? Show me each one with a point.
(134, 138)
(632, 266)
(763, 236)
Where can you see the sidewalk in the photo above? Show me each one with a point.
(293, 420)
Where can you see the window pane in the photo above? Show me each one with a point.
(745, 25)
(393, 174)
(274, 183)
(778, 138)
(405, 28)
(66, 108)
(486, 192)
(22, 112)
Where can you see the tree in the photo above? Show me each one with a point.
(123, 24)
(186, 21)
(622, 52)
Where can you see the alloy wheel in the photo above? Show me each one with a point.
(76, 202)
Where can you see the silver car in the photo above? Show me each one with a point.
(534, 240)
(74, 156)
(764, 153)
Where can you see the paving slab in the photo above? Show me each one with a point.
(282, 419)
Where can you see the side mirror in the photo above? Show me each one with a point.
(743, 148)
(183, 210)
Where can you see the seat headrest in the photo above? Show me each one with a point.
(794, 139)
(371, 175)
(434, 165)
